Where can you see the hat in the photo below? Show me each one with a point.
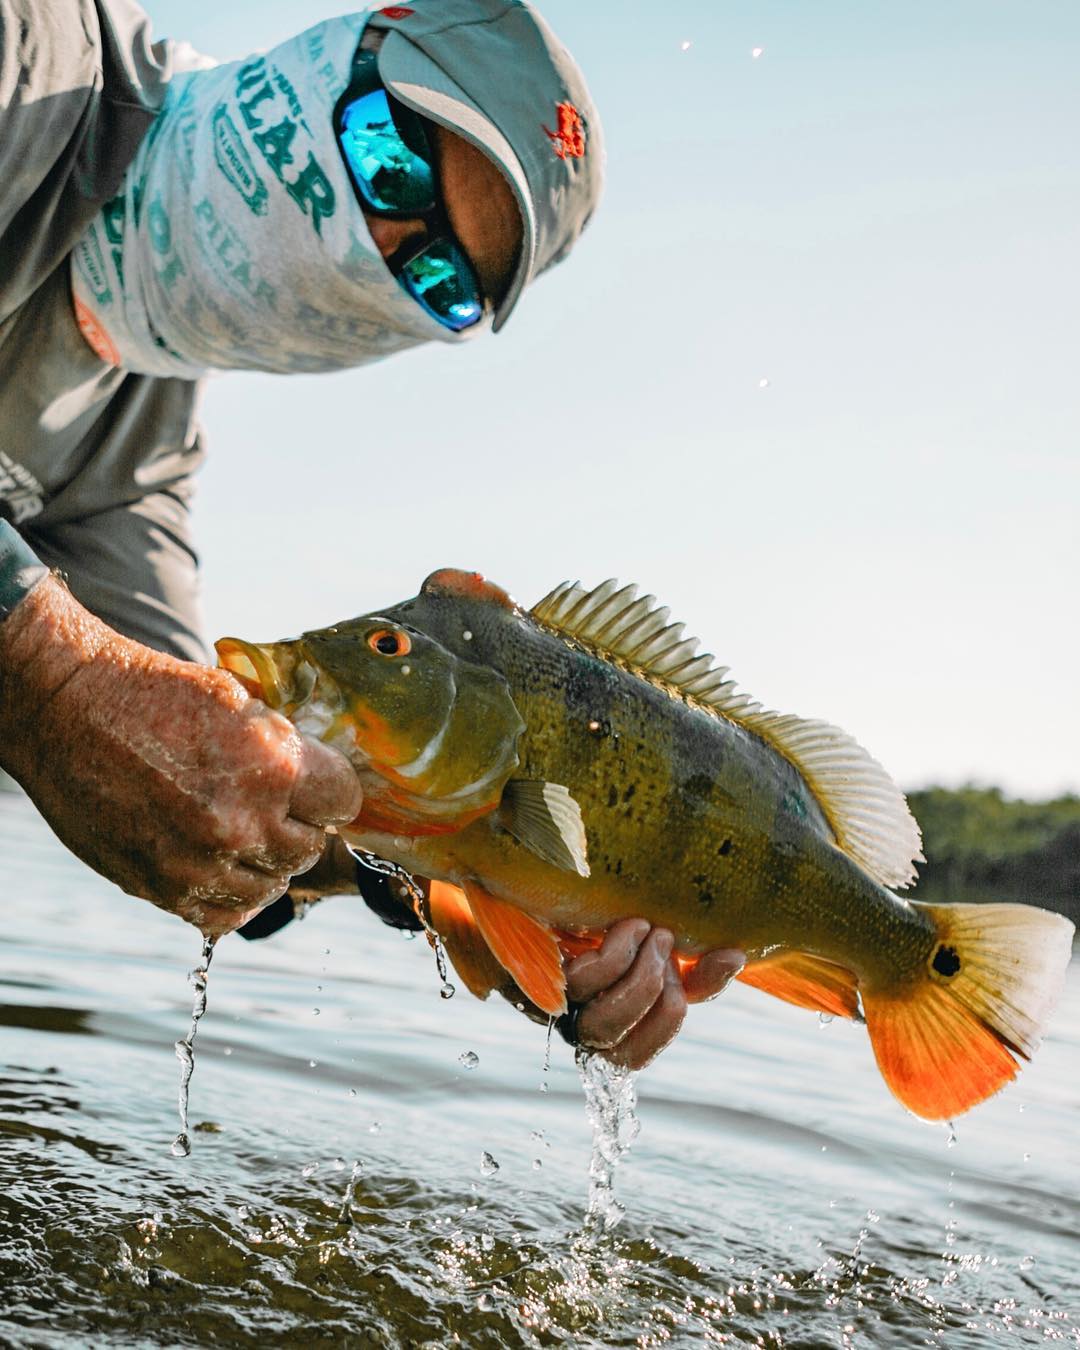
(493, 72)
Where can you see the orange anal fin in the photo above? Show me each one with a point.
(935, 1055)
(807, 981)
(472, 958)
(525, 948)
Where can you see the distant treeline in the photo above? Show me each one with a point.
(979, 842)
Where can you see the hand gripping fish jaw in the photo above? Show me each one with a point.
(433, 737)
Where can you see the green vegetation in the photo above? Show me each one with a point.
(977, 840)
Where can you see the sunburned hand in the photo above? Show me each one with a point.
(634, 999)
(164, 776)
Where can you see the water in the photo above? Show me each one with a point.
(185, 1048)
(775, 1195)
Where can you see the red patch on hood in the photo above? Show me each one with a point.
(568, 138)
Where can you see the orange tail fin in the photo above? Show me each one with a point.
(946, 1042)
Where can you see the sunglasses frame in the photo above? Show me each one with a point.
(409, 126)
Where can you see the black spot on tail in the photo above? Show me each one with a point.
(946, 962)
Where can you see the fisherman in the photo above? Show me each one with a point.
(384, 179)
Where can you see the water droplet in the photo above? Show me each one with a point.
(755, 52)
(338, 1164)
(1027, 1262)
(227, 1050)
(952, 1140)
(315, 1012)
(685, 45)
(483, 1303)
(825, 1018)
(309, 1169)
(406, 670)
(1027, 1157)
(375, 1127)
(181, 1146)
(537, 1164)
(313, 1063)
(487, 1241)
(763, 383)
(352, 1092)
(469, 1060)
(448, 990)
(488, 1165)
(467, 636)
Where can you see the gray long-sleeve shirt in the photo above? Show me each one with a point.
(95, 463)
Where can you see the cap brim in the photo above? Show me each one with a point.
(425, 87)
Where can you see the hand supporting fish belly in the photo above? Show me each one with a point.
(557, 771)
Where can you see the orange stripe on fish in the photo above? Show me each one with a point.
(524, 947)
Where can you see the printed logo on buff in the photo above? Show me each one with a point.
(21, 495)
(235, 163)
(568, 138)
(396, 12)
(272, 112)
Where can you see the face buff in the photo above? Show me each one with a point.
(237, 242)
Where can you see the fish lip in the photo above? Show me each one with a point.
(254, 667)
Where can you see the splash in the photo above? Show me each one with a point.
(185, 1048)
(412, 892)
(610, 1102)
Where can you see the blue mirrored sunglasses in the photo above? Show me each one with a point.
(390, 163)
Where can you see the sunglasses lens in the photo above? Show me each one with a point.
(443, 281)
(389, 175)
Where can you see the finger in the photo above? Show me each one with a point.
(591, 972)
(607, 1018)
(657, 1029)
(233, 898)
(213, 921)
(294, 848)
(327, 790)
(712, 973)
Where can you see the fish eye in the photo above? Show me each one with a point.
(389, 642)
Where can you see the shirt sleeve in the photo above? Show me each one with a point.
(80, 83)
(134, 567)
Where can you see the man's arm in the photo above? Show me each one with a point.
(163, 775)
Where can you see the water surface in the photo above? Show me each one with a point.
(374, 1166)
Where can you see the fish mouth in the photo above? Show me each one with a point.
(260, 669)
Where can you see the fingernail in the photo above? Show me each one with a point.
(732, 957)
(665, 941)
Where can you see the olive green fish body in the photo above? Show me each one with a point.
(691, 821)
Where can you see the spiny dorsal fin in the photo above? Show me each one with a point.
(864, 807)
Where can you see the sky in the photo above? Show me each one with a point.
(809, 378)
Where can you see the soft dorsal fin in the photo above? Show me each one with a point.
(864, 807)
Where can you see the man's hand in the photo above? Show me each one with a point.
(164, 776)
(634, 999)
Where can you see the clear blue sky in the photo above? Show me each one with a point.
(879, 216)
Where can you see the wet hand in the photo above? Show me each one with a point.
(164, 776)
(633, 997)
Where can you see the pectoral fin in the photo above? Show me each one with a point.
(545, 818)
(525, 948)
(807, 981)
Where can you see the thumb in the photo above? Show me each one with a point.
(327, 790)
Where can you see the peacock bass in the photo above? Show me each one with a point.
(556, 770)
